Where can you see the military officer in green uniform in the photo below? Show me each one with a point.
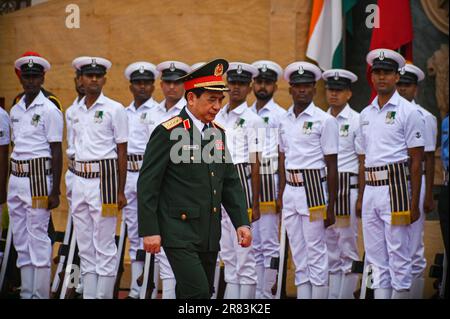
(186, 175)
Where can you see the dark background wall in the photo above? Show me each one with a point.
(427, 39)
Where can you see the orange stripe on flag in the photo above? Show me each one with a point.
(315, 14)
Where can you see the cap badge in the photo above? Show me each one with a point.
(381, 58)
(264, 68)
(402, 71)
(30, 63)
(141, 69)
(336, 76)
(218, 71)
(301, 70)
(239, 69)
(172, 67)
(94, 63)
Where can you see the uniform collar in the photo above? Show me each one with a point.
(179, 105)
(239, 110)
(100, 100)
(147, 105)
(38, 101)
(198, 124)
(345, 113)
(393, 101)
(270, 105)
(309, 110)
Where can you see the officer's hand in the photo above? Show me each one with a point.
(244, 235)
(415, 214)
(53, 201)
(256, 214)
(428, 205)
(152, 244)
(121, 200)
(359, 207)
(279, 204)
(331, 219)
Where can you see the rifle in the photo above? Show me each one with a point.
(282, 263)
(147, 283)
(120, 256)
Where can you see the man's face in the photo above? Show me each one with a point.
(172, 90)
(407, 90)
(32, 83)
(338, 98)
(93, 83)
(302, 93)
(142, 90)
(238, 91)
(264, 89)
(207, 105)
(384, 81)
(78, 86)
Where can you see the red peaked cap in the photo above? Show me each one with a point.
(28, 53)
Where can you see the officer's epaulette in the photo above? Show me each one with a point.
(55, 101)
(218, 126)
(174, 121)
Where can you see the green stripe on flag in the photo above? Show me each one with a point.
(338, 57)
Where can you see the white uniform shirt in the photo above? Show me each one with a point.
(349, 140)
(35, 127)
(243, 130)
(271, 114)
(307, 138)
(161, 114)
(388, 133)
(431, 132)
(141, 123)
(4, 127)
(98, 129)
(70, 151)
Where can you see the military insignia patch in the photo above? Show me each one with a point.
(187, 124)
(218, 71)
(239, 123)
(35, 119)
(266, 119)
(98, 117)
(172, 122)
(143, 117)
(344, 130)
(307, 128)
(390, 117)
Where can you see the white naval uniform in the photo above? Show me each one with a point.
(4, 140)
(266, 243)
(96, 139)
(141, 123)
(242, 140)
(386, 142)
(161, 114)
(342, 241)
(418, 261)
(305, 149)
(30, 225)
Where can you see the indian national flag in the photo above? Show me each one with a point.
(325, 40)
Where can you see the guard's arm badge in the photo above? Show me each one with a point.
(170, 124)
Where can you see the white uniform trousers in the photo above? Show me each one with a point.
(239, 262)
(307, 239)
(29, 225)
(387, 247)
(130, 214)
(418, 261)
(342, 242)
(69, 177)
(95, 234)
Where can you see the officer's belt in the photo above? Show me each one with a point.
(268, 172)
(107, 171)
(312, 180)
(346, 182)
(396, 177)
(134, 162)
(36, 170)
(71, 164)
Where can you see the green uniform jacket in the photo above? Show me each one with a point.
(181, 201)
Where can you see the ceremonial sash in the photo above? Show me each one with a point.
(244, 172)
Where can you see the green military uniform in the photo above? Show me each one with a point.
(181, 202)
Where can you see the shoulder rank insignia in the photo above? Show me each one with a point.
(174, 121)
(216, 125)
